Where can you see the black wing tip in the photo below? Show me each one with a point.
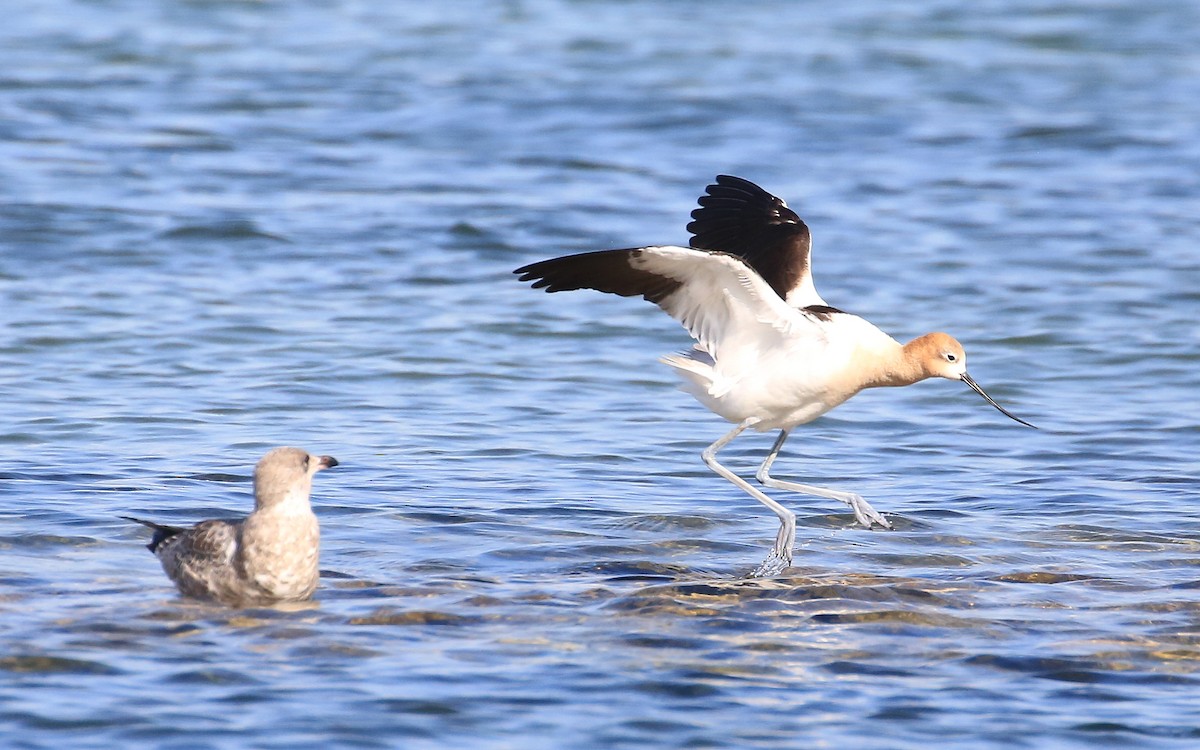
(536, 273)
(702, 221)
(161, 535)
(609, 271)
(823, 312)
(729, 180)
(725, 184)
(733, 199)
(162, 532)
(568, 273)
(538, 277)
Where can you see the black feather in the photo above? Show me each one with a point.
(162, 532)
(822, 312)
(740, 218)
(604, 270)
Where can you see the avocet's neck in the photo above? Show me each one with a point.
(892, 364)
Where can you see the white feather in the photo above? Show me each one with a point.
(723, 303)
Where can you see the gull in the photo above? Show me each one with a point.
(268, 556)
(770, 353)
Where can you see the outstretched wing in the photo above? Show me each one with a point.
(721, 301)
(740, 218)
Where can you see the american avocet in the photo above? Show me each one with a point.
(268, 556)
(770, 353)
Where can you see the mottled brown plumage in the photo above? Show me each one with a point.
(269, 556)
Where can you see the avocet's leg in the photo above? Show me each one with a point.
(781, 553)
(863, 511)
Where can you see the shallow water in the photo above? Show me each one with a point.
(226, 226)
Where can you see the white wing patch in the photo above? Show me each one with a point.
(804, 294)
(723, 303)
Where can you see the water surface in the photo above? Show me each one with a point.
(226, 226)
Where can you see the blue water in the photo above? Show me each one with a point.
(226, 226)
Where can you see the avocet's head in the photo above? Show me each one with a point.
(286, 474)
(941, 356)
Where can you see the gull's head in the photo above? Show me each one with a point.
(939, 355)
(285, 475)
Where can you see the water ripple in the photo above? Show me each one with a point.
(228, 226)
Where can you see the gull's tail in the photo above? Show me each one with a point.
(162, 532)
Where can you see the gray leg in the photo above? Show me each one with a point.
(781, 553)
(863, 511)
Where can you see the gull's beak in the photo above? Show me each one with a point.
(975, 387)
(328, 462)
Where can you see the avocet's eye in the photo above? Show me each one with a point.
(951, 357)
(304, 462)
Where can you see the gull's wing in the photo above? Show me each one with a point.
(196, 556)
(740, 218)
(722, 302)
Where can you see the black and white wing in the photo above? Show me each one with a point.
(740, 218)
(722, 302)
